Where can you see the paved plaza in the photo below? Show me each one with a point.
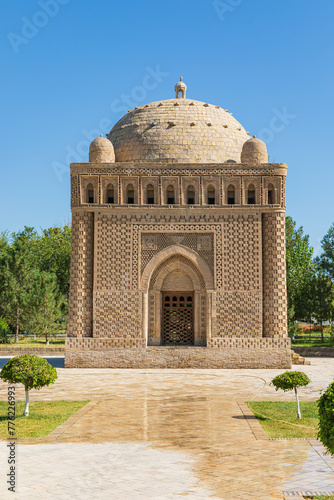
(168, 434)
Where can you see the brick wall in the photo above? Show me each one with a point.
(81, 283)
(274, 275)
(258, 354)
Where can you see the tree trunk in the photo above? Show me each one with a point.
(17, 326)
(26, 408)
(297, 401)
(322, 331)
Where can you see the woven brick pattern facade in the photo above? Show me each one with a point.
(75, 191)
(274, 275)
(242, 252)
(178, 243)
(238, 314)
(152, 243)
(117, 314)
(252, 343)
(113, 256)
(81, 285)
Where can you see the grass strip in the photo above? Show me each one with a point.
(320, 497)
(279, 418)
(44, 417)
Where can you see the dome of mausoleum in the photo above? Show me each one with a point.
(179, 130)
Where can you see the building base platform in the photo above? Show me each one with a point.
(221, 353)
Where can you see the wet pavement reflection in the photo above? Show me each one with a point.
(199, 414)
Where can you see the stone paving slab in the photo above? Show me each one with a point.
(169, 434)
(240, 385)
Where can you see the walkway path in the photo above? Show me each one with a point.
(168, 434)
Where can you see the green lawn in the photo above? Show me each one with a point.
(306, 342)
(321, 497)
(39, 342)
(44, 417)
(279, 418)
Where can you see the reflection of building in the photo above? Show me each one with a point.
(178, 244)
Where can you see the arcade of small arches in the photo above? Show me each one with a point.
(232, 193)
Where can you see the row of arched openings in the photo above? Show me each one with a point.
(170, 195)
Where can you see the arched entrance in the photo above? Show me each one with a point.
(177, 299)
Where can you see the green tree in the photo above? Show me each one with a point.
(4, 250)
(4, 331)
(46, 307)
(17, 264)
(32, 371)
(322, 298)
(300, 272)
(327, 257)
(291, 380)
(53, 250)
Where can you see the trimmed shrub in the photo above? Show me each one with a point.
(32, 371)
(326, 418)
(291, 380)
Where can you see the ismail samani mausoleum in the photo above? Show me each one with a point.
(178, 244)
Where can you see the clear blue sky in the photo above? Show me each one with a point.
(65, 72)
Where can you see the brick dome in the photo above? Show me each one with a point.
(179, 130)
(101, 150)
(254, 151)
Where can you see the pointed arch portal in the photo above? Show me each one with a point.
(177, 286)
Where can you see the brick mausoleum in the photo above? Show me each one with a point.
(178, 244)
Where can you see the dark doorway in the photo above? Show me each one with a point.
(177, 318)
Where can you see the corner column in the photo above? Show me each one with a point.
(80, 316)
(274, 275)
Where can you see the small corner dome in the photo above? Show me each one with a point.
(101, 150)
(254, 151)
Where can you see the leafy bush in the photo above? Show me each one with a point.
(4, 331)
(326, 418)
(32, 371)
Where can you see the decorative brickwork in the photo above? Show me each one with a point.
(113, 259)
(242, 252)
(168, 262)
(180, 184)
(238, 314)
(104, 343)
(152, 243)
(117, 314)
(178, 217)
(249, 343)
(274, 275)
(170, 170)
(81, 283)
(178, 234)
(75, 195)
